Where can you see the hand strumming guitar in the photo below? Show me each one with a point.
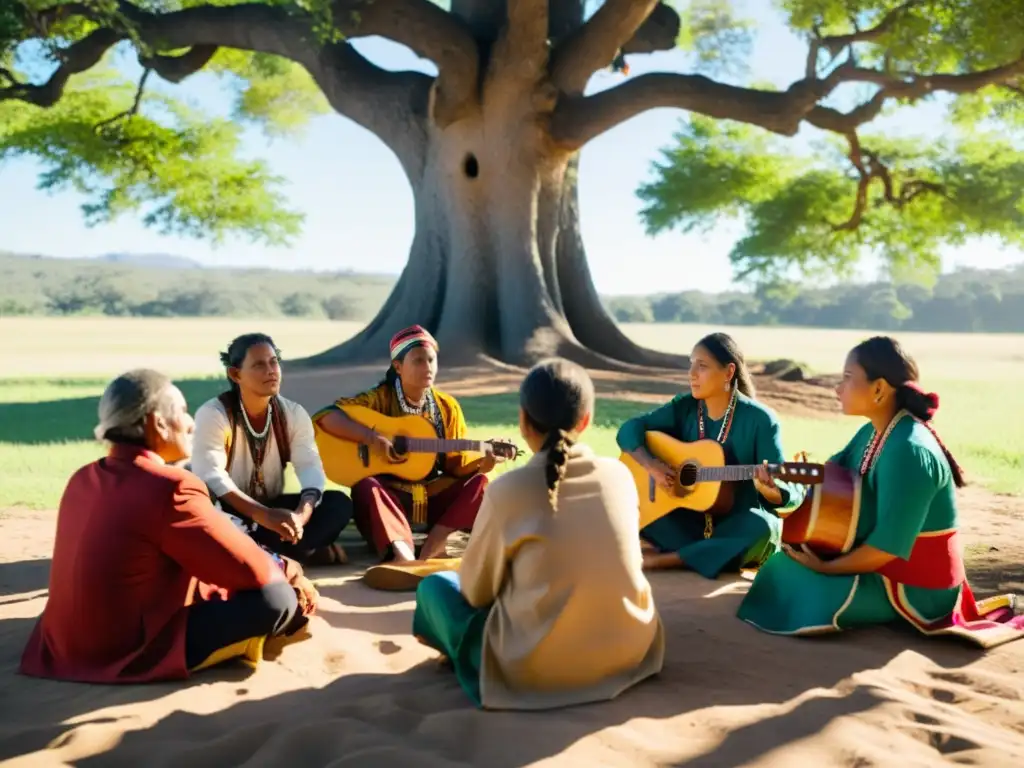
(662, 473)
(379, 444)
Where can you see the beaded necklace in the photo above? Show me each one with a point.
(723, 433)
(258, 443)
(875, 445)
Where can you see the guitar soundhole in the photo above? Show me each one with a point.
(399, 448)
(688, 475)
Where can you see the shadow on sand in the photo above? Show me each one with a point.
(421, 717)
(19, 579)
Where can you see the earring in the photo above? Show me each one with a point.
(728, 386)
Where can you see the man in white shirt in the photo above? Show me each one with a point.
(243, 440)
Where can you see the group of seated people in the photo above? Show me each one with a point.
(180, 550)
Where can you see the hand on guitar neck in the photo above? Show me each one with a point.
(765, 484)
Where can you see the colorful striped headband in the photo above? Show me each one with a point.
(410, 337)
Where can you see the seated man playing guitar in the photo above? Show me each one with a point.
(448, 497)
(720, 407)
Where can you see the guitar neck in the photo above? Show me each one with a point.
(731, 474)
(436, 445)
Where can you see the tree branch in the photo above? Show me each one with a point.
(834, 44)
(174, 69)
(833, 120)
(133, 110)
(389, 104)
(579, 120)
(77, 57)
(659, 33)
(594, 45)
(911, 86)
(521, 51)
(431, 33)
(870, 168)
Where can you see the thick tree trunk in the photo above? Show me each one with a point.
(497, 268)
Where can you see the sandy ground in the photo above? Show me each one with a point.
(360, 691)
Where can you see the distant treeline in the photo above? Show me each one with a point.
(966, 300)
(46, 286)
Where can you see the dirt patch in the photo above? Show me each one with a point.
(993, 530)
(316, 387)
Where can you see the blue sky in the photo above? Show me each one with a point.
(358, 204)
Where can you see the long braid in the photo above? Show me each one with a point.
(555, 398)
(954, 465)
(557, 444)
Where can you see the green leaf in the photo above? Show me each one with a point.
(177, 167)
(794, 208)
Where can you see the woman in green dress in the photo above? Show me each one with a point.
(719, 406)
(906, 563)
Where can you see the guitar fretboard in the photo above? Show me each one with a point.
(738, 473)
(436, 445)
(730, 474)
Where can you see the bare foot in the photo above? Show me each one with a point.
(333, 554)
(436, 544)
(658, 561)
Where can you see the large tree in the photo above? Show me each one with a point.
(490, 143)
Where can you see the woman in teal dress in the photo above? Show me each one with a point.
(719, 406)
(906, 563)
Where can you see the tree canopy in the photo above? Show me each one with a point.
(87, 88)
(862, 190)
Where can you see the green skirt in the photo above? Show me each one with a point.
(744, 537)
(445, 621)
(788, 598)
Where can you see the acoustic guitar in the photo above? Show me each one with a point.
(415, 446)
(826, 521)
(703, 481)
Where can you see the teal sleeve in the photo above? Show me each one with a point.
(905, 483)
(768, 447)
(632, 433)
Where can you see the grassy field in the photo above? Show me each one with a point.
(54, 369)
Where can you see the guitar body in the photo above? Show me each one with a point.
(707, 497)
(826, 521)
(347, 463)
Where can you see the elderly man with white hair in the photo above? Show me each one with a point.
(148, 580)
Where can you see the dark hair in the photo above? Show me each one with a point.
(725, 350)
(555, 395)
(239, 348)
(391, 375)
(882, 357)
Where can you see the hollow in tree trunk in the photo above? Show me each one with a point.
(497, 268)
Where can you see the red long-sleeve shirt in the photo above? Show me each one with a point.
(134, 539)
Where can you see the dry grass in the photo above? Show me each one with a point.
(63, 364)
